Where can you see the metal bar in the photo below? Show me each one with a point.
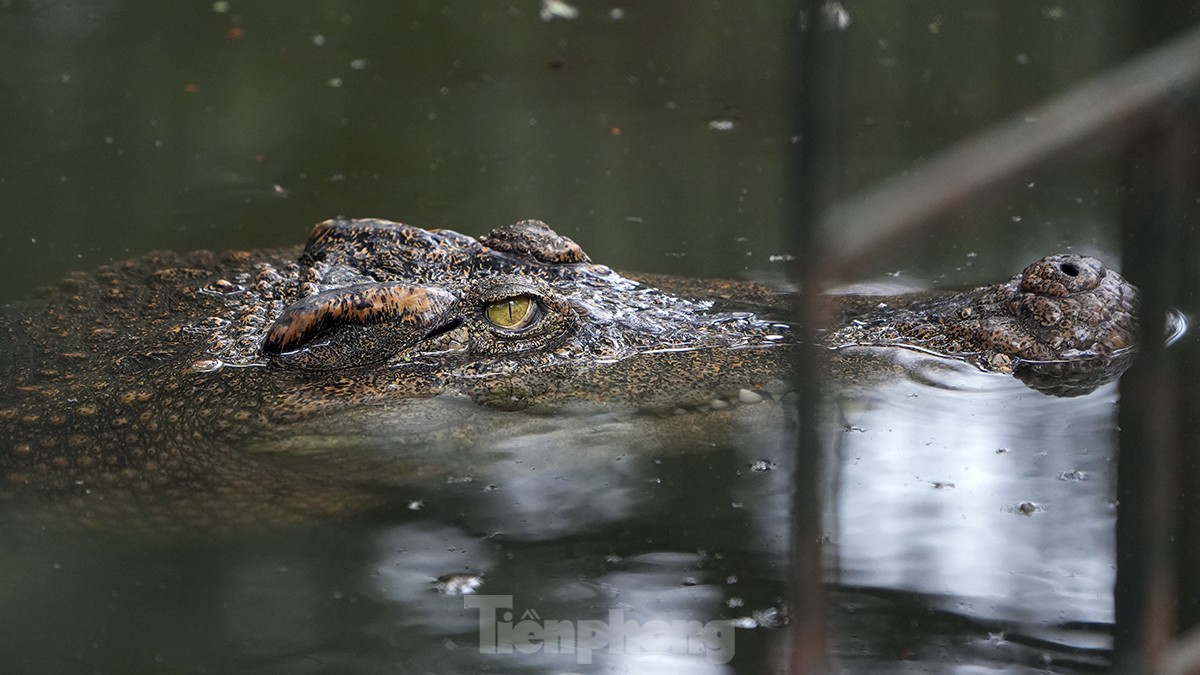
(1148, 464)
(811, 167)
(1125, 99)
(1187, 355)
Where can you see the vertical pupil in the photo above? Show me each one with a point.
(509, 312)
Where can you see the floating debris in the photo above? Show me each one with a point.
(458, 584)
(770, 617)
(723, 123)
(557, 9)
(1025, 508)
(761, 465)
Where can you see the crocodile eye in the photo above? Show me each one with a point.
(513, 313)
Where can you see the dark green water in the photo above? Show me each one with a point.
(134, 126)
(655, 136)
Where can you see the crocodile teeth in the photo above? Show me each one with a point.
(747, 396)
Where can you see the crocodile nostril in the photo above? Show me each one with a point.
(1070, 269)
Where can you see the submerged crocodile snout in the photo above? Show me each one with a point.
(1062, 275)
(1079, 306)
(1063, 309)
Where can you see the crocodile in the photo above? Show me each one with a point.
(217, 389)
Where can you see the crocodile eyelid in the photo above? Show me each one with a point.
(364, 304)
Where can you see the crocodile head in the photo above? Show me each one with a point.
(521, 318)
(517, 318)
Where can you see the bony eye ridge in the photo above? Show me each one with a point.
(515, 312)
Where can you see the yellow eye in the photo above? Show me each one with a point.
(511, 313)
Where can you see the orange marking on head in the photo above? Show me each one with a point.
(354, 305)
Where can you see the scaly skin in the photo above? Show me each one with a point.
(170, 385)
(1064, 326)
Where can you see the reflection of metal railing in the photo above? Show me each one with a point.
(1153, 103)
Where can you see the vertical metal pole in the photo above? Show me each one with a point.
(1187, 251)
(1149, 462)
(812, 187)
(1184, 657)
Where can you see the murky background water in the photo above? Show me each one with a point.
(970, 523)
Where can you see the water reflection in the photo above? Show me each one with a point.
(994, 476)
(991, 501)
(964, 500)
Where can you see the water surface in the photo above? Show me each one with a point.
(969, 519)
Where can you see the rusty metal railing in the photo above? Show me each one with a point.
(1152, 102)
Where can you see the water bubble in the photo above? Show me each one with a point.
(207, 366)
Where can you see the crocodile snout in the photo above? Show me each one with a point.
(1063, 274)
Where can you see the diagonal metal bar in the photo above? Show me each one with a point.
(1127, 99)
